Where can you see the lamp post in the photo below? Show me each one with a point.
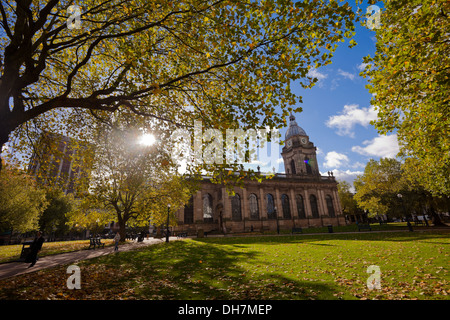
(400, 196)
(167, 227)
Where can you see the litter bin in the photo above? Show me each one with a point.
(330, 228)
(26, 249)
(200, 233)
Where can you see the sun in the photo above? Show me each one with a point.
(147, 139)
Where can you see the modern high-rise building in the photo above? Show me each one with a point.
(61, 161)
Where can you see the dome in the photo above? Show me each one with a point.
(294, 128)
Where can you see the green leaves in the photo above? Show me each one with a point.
(177, 61)
(21, 201)
(409, 79)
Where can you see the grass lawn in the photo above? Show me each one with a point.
(413, 266)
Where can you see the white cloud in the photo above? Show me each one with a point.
(318, 150)
(346, 74)
(345, 175)
(334, 159)
(381, 146)
(316, 74)
(362, 66)
(349, 117)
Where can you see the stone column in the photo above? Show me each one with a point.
(261, 204)
(337, 203)
(320, 200)
(226, 213)
(278, 203)
(198, 207)
(245, 208)
(293, 205)
(308, 212)
(324, 203)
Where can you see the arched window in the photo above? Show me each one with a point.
(207, 208)
(270, 207)
(286, 207)
(314, 209)
(253, 202)
(189, 211)
(236, 208)
(308, 165)
(300, 207)
(330, 206)
(293, 166)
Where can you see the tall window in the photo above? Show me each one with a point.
(293, 166)
(189, 211)
(236, 208)
(286, 207)
(308, 165)
(300, 207)
(270, 207)
(330, 206)
(253, 202)
(314, 209)
(207, 208)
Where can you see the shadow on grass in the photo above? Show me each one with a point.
(310, 238)
(196, 270)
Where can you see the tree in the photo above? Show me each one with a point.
(53, 219)
(87, 214)
(135, 181)
(377, 188)
(228, 63)
(21, 201)
(346, 197)
(409, 80)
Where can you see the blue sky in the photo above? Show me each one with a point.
(337, 111)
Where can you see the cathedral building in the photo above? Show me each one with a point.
(300, 197)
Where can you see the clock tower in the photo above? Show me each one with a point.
(299, 154)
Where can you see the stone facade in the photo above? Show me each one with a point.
(300, 197)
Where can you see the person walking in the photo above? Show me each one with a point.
(35, 248)
(116, 241)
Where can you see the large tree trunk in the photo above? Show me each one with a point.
(437, 222)
(4, 136)
(122, 222)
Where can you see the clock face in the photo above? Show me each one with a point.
(289, 143)
(303, 140)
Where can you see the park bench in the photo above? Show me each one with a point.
(363, 226)
(92, 243)
(182, 235)
(297, 230)
(99, 242)
(95, 242)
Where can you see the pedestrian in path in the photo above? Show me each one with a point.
(116, 241)
(36, 247)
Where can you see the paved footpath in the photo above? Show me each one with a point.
(11, 269)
